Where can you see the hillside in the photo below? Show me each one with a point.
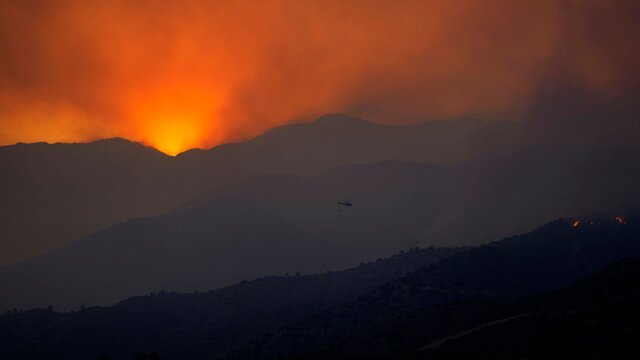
(546, 259)
(196, 326)
(275, 316)
(276, 224)
(594, 318)
(73, 190)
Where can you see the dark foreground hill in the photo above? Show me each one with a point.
(546, 259)
(195, 326)
(277, 316)
(595, 318)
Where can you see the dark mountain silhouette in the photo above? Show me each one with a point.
(546, 259)
(54, 194)
(268, 225)
(297, 314)
(393, 203)
(336, 139)
(196, 326)
(594, 318)
(469, 203)
(512, 192)
(277, 224)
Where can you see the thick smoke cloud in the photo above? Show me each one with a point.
(192, 73)
(590, 90)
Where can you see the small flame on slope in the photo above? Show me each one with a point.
(620, 220)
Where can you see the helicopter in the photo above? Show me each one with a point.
(345, 203)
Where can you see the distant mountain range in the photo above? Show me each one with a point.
(276, 224)
(335, 140)
(402, 306)
(54, 194)
(119, 219)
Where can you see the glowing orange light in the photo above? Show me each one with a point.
(154, 71)
(78, 70)
(575, 224)
(175, 119)
(172, 134)
(620, 220)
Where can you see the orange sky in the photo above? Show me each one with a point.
(197, 73)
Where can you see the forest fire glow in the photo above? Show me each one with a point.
(174, 121)
(620, 220)
(183, 74)
(171, 134)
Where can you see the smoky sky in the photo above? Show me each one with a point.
(182, 74)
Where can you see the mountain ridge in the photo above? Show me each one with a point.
(199, 326)
(546, 259)
(73, 190)
(396, 205)
(227, 315)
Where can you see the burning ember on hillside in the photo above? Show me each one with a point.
(620, 220)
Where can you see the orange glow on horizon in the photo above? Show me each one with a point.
(172, 133)
(182, 74)
(176, 119)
